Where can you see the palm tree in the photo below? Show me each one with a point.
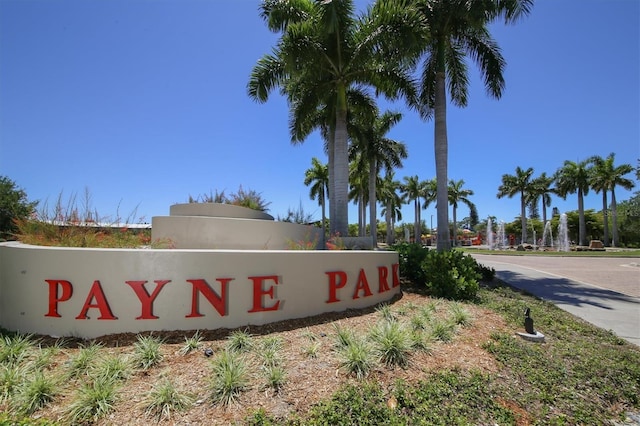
(413, 191)
(456, 194)
(605, 178)
(520, 183)
(575, 177)
(318, 177)
(358, 190)
(377, 152)
(541, 189)
(458, 29)
(325, 50)
(392, 202)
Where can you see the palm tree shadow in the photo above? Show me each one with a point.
(563, 291)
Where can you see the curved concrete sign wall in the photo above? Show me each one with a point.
(93, 292)
(225, 226)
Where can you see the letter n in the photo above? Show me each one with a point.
(219, 302)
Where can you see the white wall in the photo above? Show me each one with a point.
(298, 285)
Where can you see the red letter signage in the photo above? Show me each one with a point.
(259, 292)
(218, 302)
(383, 273)
(101, 303)
(67, 291)
(337, 279)
(395, 274)
(146, 299)
(363, 285)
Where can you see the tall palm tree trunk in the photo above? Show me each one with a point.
(339, 224)
(455, 227)
(614, 218)
(332, 188)
(373, 227)
(362, 216)
(323, 240)
(416, 223)
(388, 220)
(523, 219)
(605, 218)
(582, 231)
(441, 153)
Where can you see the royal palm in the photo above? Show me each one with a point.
(318, 177)
(512, 185)
(605, 177)
(575, 177)
(324, 50)
(457, 194)
(377, 152)
(459, 29)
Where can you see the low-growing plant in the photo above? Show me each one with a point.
(343, 336)
(191, 343)
(275, 375)
(83, 360)
(147, 352)
(35, 393)
(459, 315)
(309, 334)
(442, 330)
(230, 377)
(356, 357)
(11, 377)
(15, 347)
(92, 401)
(270, 352)
(312, 349)
(114, 367)
(385, 311)
(164, 399)
(421, 341)
(392, 343)
(240, 341)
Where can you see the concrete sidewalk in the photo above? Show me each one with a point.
(597, 298)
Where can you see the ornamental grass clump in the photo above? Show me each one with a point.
(230, 377)
(83, 360)
(191, 343)
(15, 348)
(356, 357)
(92, 401)
(392, 343)
(240, 341)
(11, 377)
(442, 330)
(344, 337)
(459, 315)
(147, 352)
(164, 399)
(113, 367)
(35, 393)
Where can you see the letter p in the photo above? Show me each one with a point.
(54, 299)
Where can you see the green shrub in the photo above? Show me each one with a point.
(451, 274)
(410, 257)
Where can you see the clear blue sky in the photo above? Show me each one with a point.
(144, 103)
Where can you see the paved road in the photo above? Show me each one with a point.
(602, 291)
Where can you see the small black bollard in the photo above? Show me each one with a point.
(528, 322)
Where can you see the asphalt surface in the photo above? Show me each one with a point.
(604, 291)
